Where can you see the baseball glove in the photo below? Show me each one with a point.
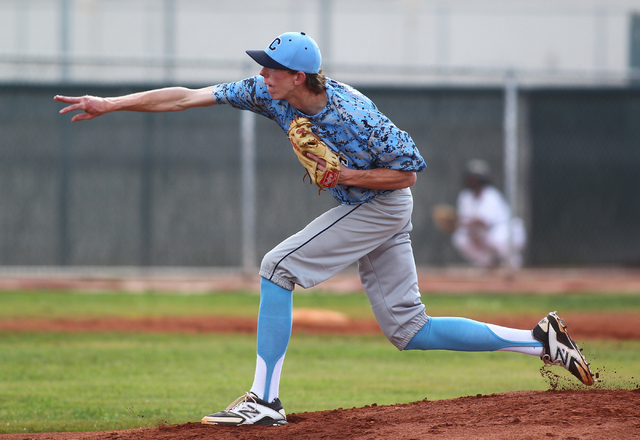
(304, 141)
(445, 218)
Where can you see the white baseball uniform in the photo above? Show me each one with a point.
(483, 246)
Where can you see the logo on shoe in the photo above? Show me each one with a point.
(249, 412)
(563, 355)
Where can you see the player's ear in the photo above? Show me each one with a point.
(299, 78)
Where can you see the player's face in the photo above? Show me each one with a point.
(280, 83)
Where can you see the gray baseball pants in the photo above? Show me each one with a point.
(376, 235)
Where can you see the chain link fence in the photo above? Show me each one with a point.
(585, 189)
(156, 190)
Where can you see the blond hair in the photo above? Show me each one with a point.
(316, 82)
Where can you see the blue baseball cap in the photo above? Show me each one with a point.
(290, 51)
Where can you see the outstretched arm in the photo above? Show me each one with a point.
(171, 99)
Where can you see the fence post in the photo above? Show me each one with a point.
(64, 168)
(65, 40)
(169, 43)
(511, 153)
(248, 203)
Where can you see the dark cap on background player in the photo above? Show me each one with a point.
(290, 51)
(477, 173)
(478, 167)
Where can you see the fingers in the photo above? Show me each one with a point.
(316, 158)
(321, 162)
(69, 99)
(75, 101)
(71, 108)
(81, 117)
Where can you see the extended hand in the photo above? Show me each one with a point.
(92, 106)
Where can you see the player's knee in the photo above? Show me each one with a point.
(272, 270)
(268, 262)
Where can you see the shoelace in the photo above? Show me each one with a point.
(547, 360)
(245, 398)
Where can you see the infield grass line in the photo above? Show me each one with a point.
(77, 304)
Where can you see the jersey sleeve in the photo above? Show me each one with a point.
(394, 149)
(247, 94)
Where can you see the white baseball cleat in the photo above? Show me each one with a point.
(559, 348)
(249, 410)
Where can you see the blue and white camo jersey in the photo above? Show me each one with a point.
(350, 124)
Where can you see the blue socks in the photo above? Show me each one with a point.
(461, 334)
(274, 332)
(440, 333)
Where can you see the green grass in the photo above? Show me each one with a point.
(356, 305)
(84, 382)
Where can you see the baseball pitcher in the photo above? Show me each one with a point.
(352, 150)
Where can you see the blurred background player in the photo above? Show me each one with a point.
(485, 233)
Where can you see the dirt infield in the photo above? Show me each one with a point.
(560, 412)
(619, 326)
(569, 414)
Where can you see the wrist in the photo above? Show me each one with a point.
(109, 105)
(348, 176)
